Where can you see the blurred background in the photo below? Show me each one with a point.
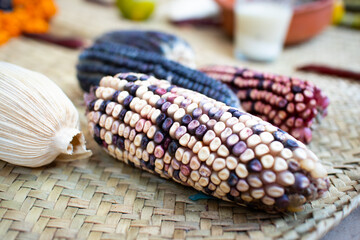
(320, 38)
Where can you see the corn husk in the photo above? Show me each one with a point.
(38, 122)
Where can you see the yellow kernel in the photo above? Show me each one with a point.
(247, 155)
(280, 164)
(218, 164)
(241, 171)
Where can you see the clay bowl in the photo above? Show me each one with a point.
(308, 20)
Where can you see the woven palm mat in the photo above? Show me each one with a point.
(104, 198)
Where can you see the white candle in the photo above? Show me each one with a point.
(261, 27)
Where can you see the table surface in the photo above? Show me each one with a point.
(103, 198)
(347, 229)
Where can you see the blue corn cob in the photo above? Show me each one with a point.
(109, 58)
(167, 45)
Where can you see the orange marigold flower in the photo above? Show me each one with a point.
(36, 25)
(4, 37)
(27, 16)
(11, 24)
(48, 8)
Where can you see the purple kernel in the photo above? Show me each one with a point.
(301, 181)
(97, 129)
(212, 112)
(291, 144)
(91, 105)
(296, 89)
(279, 136)
(176, 174)
(197, 113)
(239, 148)
(128, 86)
(200, 132)
(122, 114)
(165, 106)
(180, 132)
(144, 77)
(103, 105)
(144, 142)
(218, 115)
(158, 137)
(114, 139)
(152, 88)
(185, 169)
(282, 202)
(186, 119)
(127, 101)
(131, 78)
(293, 166)
(237, 114)
(282, 103)
(254, 165)
(159, 103)
(115, 96)
(211, 123)
(258, 128)
(121, 75)
(233, 179)
(160, 119)
(192, 126)
(232, 140)
(133, 89)
(167, 124)
(173, 146)
(120, 143)
(152, 159)
(232, 110)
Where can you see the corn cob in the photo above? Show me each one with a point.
(165, 44)
(289, 103)
(110, 58)
(200, 142)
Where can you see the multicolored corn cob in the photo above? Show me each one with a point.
(289, 103)
(203, 143)
(108, 58)
(165, 44)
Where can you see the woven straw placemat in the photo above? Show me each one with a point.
(104, 198)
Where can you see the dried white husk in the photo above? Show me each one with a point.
(38, 122)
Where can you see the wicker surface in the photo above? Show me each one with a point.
(103, 198)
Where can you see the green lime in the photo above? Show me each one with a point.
(137, 10)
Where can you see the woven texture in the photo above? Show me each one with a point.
(103, 198)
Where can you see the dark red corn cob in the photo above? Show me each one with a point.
(289, 103)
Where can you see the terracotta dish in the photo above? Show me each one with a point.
(309, 19)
